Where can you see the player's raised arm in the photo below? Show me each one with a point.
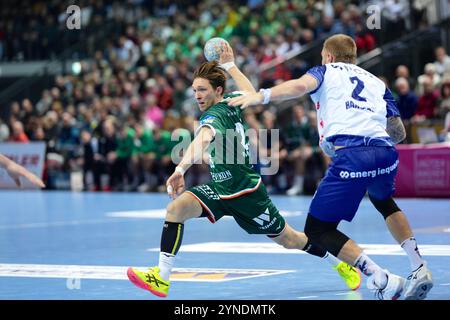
(15, 171)
(194, 153)
(287, 90)
(226, 61)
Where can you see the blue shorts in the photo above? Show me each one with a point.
(353, 172)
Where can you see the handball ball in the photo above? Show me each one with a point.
(210, 51)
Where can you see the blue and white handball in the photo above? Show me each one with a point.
(210, 51)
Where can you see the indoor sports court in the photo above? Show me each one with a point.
(65, 245)
(102, 102)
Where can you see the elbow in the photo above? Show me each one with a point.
(402, 136)
(299, 88)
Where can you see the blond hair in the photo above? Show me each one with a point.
(342, 47)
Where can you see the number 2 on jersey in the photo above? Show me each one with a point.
(359, 87)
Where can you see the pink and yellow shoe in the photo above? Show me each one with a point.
(351, 275)
(150, 281)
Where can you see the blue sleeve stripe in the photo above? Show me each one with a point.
(391, 105)
(317, 72)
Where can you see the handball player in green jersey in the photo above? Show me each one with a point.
(235, 189)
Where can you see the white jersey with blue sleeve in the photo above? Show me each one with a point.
(352, 105)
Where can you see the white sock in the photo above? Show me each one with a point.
(331, 259)
(410, 247)
(166, 263)
(368, 267)
(298, 181)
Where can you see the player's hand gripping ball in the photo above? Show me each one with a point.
(213, 48)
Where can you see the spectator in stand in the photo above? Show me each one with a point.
(430, 76)
(402, 71)
(104, 156)
(442, 63)
(68, 136)
(121, 174)
(4, 131)
(162, 147)
(273, 150)
(406, 100)
(18, 133)
(407, 104)
(395, 13)
(364, 39)
(143, 159)
(427, 106)
(298, 146)
(444, 100)
(88, 144)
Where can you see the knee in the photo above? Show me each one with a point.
(174, 212)
(386, 207)
(312, 231)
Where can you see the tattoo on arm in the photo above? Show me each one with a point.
(395, 129)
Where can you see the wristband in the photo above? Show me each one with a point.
(227, 65)
(266, 94)
(180, 170)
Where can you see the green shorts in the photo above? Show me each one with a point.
(254, 211)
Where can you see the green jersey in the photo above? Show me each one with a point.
(162, 146)
(125, 145)
(231, 171)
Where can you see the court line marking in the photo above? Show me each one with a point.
(57, 224)
(161, 214)
(120, 272)
(271, 247)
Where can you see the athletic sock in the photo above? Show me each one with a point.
(368, 267)
(171, 238)
(331, 259)
(411, 249)
(166, 263)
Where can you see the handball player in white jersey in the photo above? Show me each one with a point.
(359, 124)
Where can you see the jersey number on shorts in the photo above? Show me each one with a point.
(358, 89)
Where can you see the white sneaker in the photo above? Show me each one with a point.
(295, 190)
(393, 288)
(419, 283)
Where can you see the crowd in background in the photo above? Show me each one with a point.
(113, 119)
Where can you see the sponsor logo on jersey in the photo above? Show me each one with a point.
(368, 174)
(264, 220)
(352, 105)
(221, 176)
(207, 120)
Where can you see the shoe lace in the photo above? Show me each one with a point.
(379, 294)
(414, 272)
(152, 279)
(343, 270)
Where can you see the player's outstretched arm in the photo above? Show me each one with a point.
(194, 154)
(226, 60)
(284, 91)
(396, 129)
(15, 171)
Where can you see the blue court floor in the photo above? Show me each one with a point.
(62, 245)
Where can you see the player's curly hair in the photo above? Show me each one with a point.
(212, 72)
